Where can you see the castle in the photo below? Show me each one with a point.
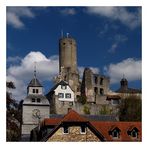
(87, 96)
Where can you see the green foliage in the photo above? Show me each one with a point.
(104, 110)
(130, 109)
(86, 109)
(82, 99)
(14, 116)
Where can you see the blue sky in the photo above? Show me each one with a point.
(108, 40)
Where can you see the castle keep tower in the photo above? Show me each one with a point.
(68, 63)
(67, 54)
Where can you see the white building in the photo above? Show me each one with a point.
(61, 98)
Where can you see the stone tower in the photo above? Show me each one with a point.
(35, 108)
(68, 63)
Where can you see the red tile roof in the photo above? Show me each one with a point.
(73, 116)
(102, 127)
(50, 121)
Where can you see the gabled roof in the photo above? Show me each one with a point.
(100, 128)
(105, 127)
(71, 117)
(63, 83)
(34, 83)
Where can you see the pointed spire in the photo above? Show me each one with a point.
(34, 69)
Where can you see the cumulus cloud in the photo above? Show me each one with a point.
(15, 15)
(130, 67)
(21, 74)
(130, 19)
(68, 11)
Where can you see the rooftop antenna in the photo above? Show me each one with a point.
(34, 69)
(62, 33)
(67, 34)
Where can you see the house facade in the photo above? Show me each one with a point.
(61, 98)
(76, 128)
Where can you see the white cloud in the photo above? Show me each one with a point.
(118, 39)
(130, 19)
(130, 67)
(14, 59)
(22, 74)
(68, 11)
(15, 15)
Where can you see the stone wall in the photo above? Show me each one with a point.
(74, 135)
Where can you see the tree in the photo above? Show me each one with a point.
(86, 109)
(13, 115)
(130, 109)
(82, 99)
(105, 110)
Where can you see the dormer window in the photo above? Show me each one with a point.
(133, 132)
(114, 132)
(65, 130)
(63, 87)
(83, 130)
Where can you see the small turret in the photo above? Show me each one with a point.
(124, 83)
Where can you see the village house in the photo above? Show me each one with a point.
(76, 128)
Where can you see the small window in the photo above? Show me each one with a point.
(83, 130)
(101, 81)
(37, 91)
(96, 90)
(115, 134)
(67, 95)
(63, 86)
(33, 99)
(65, 130)
(96, 79)
(33, 90)
(134, 134)
(101, 91)
(38, 100)
(60, 95)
